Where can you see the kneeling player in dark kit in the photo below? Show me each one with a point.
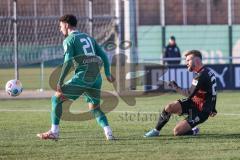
(199, 104)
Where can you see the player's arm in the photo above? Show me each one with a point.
(214, 109)
(214, 99)
(184, 92)
(68, 56)
(213, 113)
(102, 54)
(189, 92)
(197, 83)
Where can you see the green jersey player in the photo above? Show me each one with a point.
(84, 54)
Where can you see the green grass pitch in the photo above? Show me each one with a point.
(20, 120)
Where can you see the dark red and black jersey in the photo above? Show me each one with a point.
(203, 90)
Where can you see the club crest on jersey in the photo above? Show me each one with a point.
(194, 82)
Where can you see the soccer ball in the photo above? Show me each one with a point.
(13, 87)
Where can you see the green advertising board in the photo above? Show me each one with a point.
(236, 43)
(211, 40)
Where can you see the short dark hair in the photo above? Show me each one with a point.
(69, 19)
(173, 38)
(195, 53)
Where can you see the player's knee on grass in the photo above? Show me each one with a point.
(181, 128)
(179, 132)
(176, 131)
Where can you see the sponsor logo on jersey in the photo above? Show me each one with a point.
(194, 82)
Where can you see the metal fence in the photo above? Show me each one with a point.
(37, 33)
(212, 26)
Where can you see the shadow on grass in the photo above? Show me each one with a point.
(165, 137)
(230, 136)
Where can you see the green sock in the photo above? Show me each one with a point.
(100, 117)
(56, 110)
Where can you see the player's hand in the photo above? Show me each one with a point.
(212, 114)
(173, 85)
(110, 79)
(58, 91)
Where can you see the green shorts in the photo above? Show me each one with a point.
(75, 88)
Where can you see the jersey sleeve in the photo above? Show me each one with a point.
(213, 93)
(102, 54)
(197, 83)
(68, 57)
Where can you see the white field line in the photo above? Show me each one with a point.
(133, 112)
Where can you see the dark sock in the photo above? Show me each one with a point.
(163, 119)
(188, 133)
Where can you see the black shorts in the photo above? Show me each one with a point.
(194, 117)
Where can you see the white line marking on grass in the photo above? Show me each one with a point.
(134, 112)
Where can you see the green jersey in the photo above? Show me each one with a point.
(84, 54)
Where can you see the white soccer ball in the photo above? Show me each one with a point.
(13, 87)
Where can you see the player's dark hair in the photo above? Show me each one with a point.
(195, 53)
(69, 19)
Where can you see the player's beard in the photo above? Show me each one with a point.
(191, 68)
(65, 35)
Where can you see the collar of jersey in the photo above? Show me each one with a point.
(200, 69)
(74, 31)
